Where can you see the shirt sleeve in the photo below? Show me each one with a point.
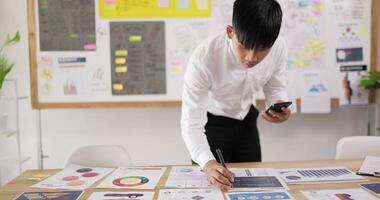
(275, 88)
(194, 111)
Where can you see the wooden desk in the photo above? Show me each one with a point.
(21, 184)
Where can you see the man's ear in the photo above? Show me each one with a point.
(230, 31)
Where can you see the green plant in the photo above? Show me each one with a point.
(5, 65)
(371, 80)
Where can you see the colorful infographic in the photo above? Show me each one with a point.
(270, 195)
(67, 25)
(154, 8)
(122, 196)
(133, 178)
(74, 177)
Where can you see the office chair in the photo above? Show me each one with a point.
(100, 156)
(357, 147)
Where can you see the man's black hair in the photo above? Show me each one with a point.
(257, 23)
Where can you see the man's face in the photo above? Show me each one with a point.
(246, 57)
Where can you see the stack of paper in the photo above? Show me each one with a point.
(370, 166)
(252, 179)
(313, 175)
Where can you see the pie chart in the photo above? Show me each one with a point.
(130, 181)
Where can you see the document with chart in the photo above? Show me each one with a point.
(322, 174)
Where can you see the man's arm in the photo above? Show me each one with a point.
(275, 88)
(194, 118)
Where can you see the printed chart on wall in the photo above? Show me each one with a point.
(133, 178)
(74, 177)
(105, 51)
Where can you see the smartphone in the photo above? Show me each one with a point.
(277, 107)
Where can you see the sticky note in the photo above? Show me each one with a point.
(184, 4)
(90, 47)
(163, 3)
(120, 61)
(135, 38)
(312, 20)
(47, 73)
(202, 4)
(110, 2)
(363, 30)
(176, 68)
(74, 35)
(299, 63)
(121, 69)
(121, 53)
(118, 87)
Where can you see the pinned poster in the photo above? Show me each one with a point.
(190, 194)
(122, 195)
(74, 177)
(355, 193)
(350, 92)
(315, 97)
(133, 178)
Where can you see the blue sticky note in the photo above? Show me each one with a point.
(184, 4)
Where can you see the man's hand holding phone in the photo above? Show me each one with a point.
(277, 113)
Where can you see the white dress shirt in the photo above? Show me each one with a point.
(215, 82)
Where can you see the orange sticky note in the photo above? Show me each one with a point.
(118, 87)
(120, 61)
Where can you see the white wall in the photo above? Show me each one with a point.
(153, 135)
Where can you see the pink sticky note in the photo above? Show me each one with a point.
(90, 47)
(110, 2)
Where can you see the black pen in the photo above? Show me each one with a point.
(221, 159)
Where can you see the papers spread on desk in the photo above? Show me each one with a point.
(133, 178)
(72, 195)
(74, 177)
(317, 175)
(272, 195)
(373, 187)
(370, 166)
(340, 194)
(121, 195)
(252, 179)
(190, 194)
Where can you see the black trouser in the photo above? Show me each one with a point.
(237, 139)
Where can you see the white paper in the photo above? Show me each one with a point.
(371, 165)
(190, 194)
(315, 96)
(313, 175)
(350, 91)
(74, 177)
(137, 195)
(133, 178)
(355, 193)
(194, 177)
(272, 195)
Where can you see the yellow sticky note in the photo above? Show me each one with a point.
(176, 68)
(47, 73)
(363, 30)
(121, 69)
(121, 52)
(118, 87)
(135, 38)
(312, 20)
(299, 63)
(120, 61)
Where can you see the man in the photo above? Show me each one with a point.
(223, 76)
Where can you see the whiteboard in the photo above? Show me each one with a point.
(90, 68)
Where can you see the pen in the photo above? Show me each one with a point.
(221, 159)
